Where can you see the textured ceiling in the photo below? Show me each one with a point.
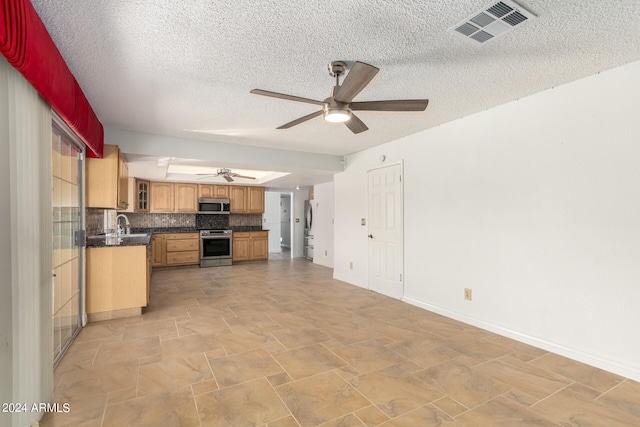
(175, 67)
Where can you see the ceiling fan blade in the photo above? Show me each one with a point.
(357, 79)
(286, 97)
(301, 120)
(228, 178)
(235, 175)
(356, 125)
(398, 105)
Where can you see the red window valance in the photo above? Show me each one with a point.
(27, 45)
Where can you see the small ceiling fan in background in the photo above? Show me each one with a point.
(338, 108)
(227, 174)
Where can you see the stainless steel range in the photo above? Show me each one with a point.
(215, 247)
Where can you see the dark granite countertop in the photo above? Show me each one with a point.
(193, 229)
(103, 241)
(240, 228)
(165, 230)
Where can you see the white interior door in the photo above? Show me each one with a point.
(386, 231)
(271, 219)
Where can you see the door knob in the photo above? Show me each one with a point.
(371, 236)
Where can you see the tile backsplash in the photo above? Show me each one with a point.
(94, 220)
(104, 220)
(212, 222)
(245, 220)
(161, 220)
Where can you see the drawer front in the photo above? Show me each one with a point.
(183, 245)
(264, 233)
(174, 236)
(183, 258)
(241, 234)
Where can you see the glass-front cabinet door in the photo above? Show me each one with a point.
(67, 240)
(142, 190)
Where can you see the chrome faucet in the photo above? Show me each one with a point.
(127, 224)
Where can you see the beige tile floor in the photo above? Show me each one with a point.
(282, 344)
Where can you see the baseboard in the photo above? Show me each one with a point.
(616, 367)
(114, 314)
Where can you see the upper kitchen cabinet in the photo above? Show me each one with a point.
(138, 195)
(246, 199)
(213, 191)
(238, 199)
(205, 190)
(255, 199)
(142, 195)
(107, 180)
(162, 197)
(220, 191)
(186, 198)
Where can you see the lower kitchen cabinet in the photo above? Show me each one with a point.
(174, 249)
(250, 246)
(259, 245)
(158, 258)
(241, 249)
(117, 281)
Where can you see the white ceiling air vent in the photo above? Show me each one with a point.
(492, 21)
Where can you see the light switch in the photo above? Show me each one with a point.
(363, 221)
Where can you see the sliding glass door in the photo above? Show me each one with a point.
(68, 239)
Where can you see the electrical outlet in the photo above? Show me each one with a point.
(350, 265)
(326, 253)
(467, 294)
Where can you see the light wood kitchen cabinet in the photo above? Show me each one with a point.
(162, 197)
(182, 197)
(241, 249)
(250, 245)
(186, 197)
(213, 191)
(255, 199)
(141, 195)
(205, 190)
(220, 191)
(123, 182)
(158, 258)
(246, 199)
(238, 198)
(138, 195)
(259, 245)
(106, 180)
(117, 279)
(175, 249)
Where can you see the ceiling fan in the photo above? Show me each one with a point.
(338, 108)
(226, 174)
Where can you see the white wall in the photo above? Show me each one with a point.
(535, 205)
(323, 208)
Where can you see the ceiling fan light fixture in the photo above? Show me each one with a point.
(337, 115)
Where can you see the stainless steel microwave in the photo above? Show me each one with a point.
(213, 206)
